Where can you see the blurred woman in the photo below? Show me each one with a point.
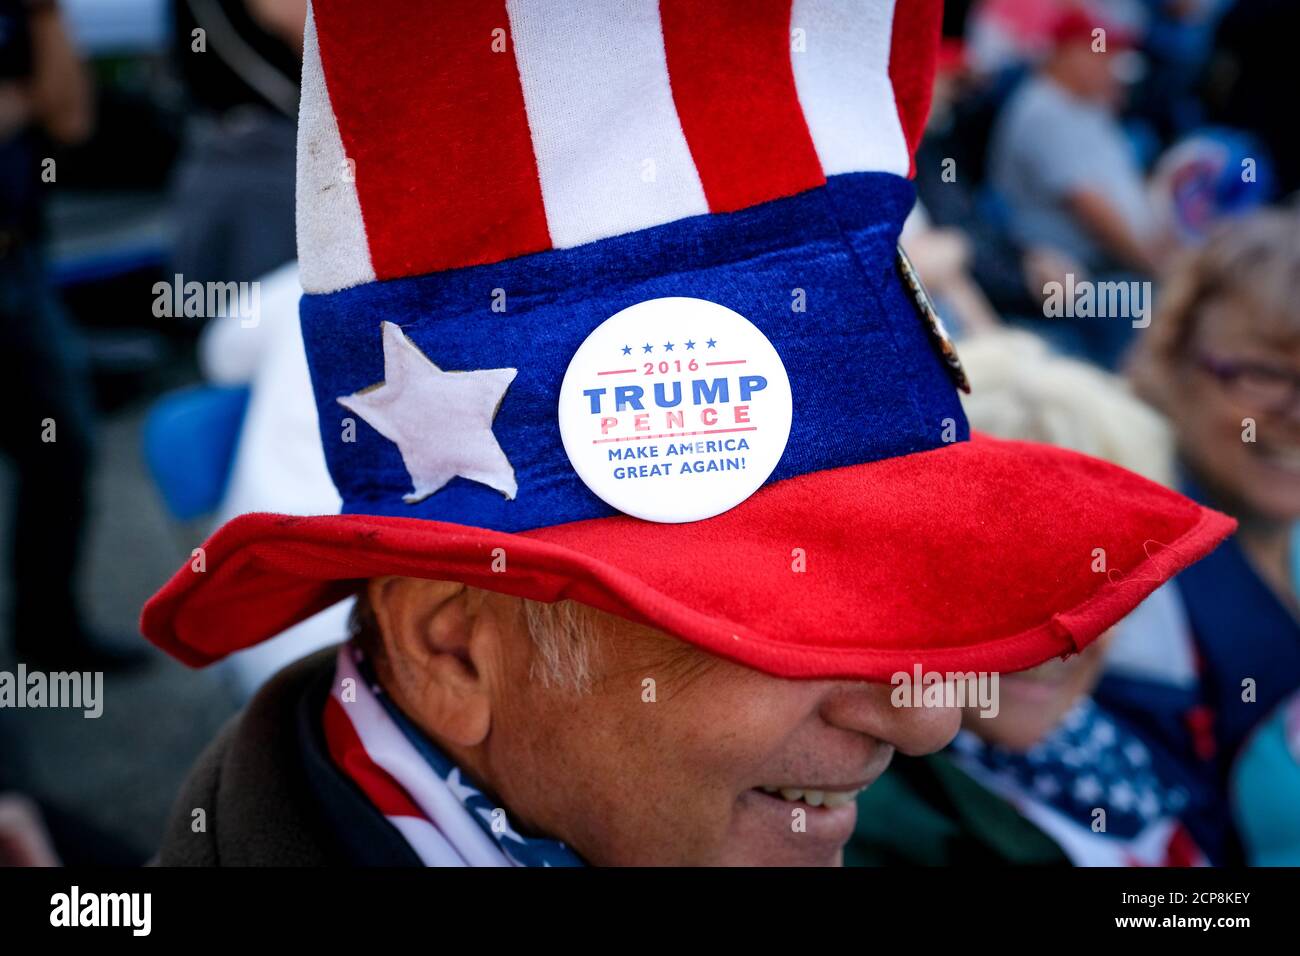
(1046, 775)
(1222, 360)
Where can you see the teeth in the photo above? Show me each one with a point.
(815, 798)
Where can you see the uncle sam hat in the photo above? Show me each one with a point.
(604, 302)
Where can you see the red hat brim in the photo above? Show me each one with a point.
(985, 555)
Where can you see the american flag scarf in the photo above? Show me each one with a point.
(1090, 762)
(444, 817)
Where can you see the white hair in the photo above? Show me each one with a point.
(1021, 389)
(564, 635)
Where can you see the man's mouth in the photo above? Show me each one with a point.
(814, 797)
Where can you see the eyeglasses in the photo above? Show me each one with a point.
(1266, 387)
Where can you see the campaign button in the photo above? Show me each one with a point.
(675, 409)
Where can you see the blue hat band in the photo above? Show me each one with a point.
(816, 273)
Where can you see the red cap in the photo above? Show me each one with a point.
(1077, 24)
(952, 56)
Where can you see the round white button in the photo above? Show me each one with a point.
(675, 409)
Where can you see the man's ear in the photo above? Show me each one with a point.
(435, 655)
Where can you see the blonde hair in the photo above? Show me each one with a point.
(1021, 389)
(1254, 260)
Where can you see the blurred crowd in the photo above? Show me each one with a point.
(1106, 218)
(1106, 211)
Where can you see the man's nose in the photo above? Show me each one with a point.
(868, 708)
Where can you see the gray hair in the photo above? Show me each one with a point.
(564, 636)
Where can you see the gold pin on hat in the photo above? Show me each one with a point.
(934, 326)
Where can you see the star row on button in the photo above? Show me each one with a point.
(668, 346)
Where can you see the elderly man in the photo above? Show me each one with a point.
(655, 482)
(633, 746)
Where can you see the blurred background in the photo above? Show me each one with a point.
(148, 142)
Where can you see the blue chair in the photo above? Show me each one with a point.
(190, 436)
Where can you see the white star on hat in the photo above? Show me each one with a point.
(440, 421)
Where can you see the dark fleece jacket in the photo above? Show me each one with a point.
(270, 793)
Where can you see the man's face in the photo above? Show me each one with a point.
(1093, 74)
(1031, 703)
(675, 757)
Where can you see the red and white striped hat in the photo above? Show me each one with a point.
(480, 131)
(605, 303)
